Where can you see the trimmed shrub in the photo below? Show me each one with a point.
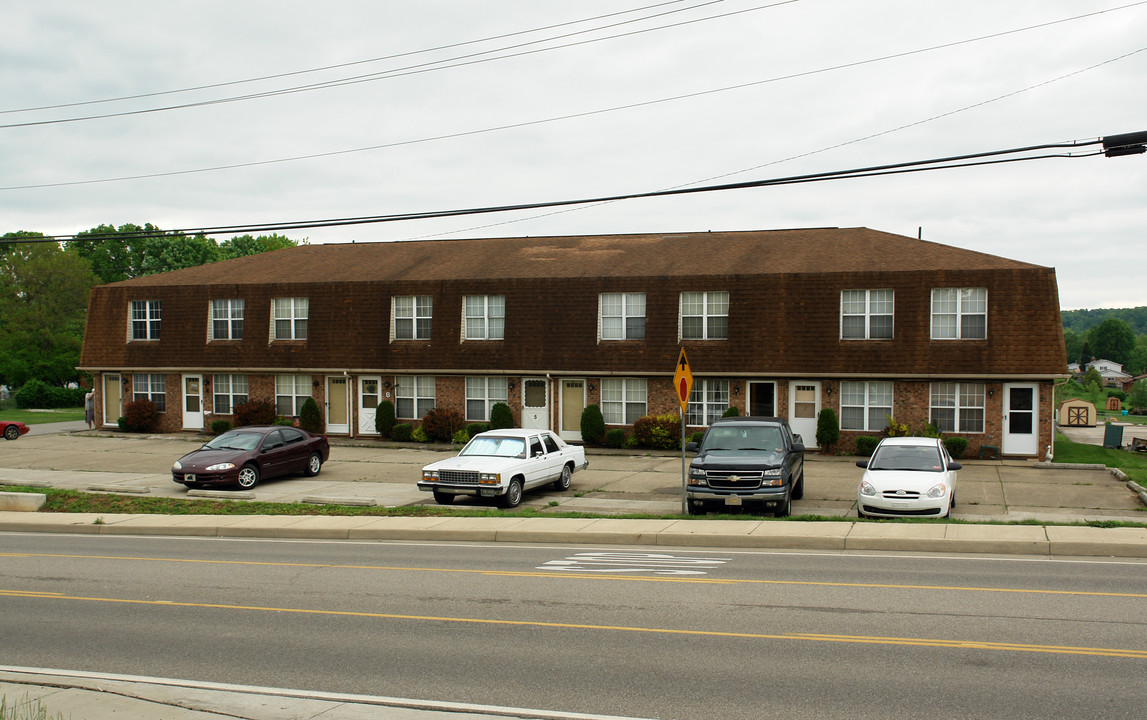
(501, 416)
(140, 416)
(865, 444)
(956, 446)
(731, 412)
(401, 432)
(441, 423)
(476, 429)
(310, 419)
(662, 432)
(384, 418)
(461, 437)
(255, 412)
(41, 395)
(592, 425)
(615, 438)
(697, 437)
(121, 422)
(419, 435)
(827, 429)
(218, 427)
(896, 429)
(284, 421)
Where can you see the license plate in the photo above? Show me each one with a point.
(189, 478)
(733, 500)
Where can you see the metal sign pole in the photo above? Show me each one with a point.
(684, 469)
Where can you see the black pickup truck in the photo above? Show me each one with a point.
(744, 462)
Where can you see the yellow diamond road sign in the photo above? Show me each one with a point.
(683, 381)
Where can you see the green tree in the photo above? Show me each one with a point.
(1137, 363)
(1092, 377)
(243, 245)
(43, 304)
(176, 252)
(1112, 339)
(1138, 398)
(112, 257)
(1073, 344)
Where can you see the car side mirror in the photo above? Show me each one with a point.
(797, 438)
(798, 447)
(862, 464)
(691, 447)
(953, 465)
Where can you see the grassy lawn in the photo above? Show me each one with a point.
(35, 417)
(1134, 465)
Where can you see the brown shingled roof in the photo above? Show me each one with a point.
(813, 250)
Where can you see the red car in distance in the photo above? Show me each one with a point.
(12, 429)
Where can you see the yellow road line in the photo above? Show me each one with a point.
(808, 637)
(588, 576)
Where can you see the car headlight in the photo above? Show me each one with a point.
(938, 490)
(429, 474)
(490, 478)
(866, 488)
(772, 472)
(698, 477)
(219, 466)
(176, 466)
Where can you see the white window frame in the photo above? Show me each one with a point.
(630, 401)
(144, 319)
(291, 391)
(293, 314)
(710, 311)
(965, 400)
(230, 319)
(150, 387)
(411, 317)
(871, 396)
(232, 389)
(483, 317)
(708, 401)
(488, 391)
(960, 305)
(867, 305)
(616, 312)
(415, 392)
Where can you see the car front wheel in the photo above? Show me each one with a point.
(11, 432)
(785, 507)
(248, 477)
(314, 464)
(513, 496)
(443, 498)
(798, 487)
(563, 483)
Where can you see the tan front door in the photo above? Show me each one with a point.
(338, 405)
(113, 406)
(573, 403)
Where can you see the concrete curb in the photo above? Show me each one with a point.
(1073, 540)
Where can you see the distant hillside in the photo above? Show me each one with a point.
(1080, 321)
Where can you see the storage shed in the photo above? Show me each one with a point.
(1077, 413)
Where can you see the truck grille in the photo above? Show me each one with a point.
(727, 480)
(458, 476)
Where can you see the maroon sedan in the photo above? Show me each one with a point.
(12, 429)
(245, 455)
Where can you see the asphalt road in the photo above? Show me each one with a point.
(640, 632)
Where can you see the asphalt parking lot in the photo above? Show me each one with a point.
(629, 482)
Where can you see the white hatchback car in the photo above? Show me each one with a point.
(907, 477)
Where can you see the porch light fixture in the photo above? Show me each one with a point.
(510, 385)
(591, 387)
(314, 383)
(386, 384)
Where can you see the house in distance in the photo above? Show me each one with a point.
(785, 323)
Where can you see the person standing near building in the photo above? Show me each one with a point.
(90, 408)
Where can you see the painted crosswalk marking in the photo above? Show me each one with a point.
(635, 562)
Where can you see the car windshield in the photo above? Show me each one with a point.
(235, 441)
(922, 458)
(496, 446)
(764, 439)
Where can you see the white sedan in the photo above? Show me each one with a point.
(907, 477)
(502, 464)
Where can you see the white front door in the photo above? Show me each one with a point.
(1021, 419)
(338, 405)
(113, 406)
(192, 402)
(804, 406)
(572, 406)
(535, 404)
(369, 396)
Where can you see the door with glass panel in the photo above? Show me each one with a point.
(804, 405)
(338, 405)
(192, 402)
(1021, 419)
(369, 396)
(535, 404)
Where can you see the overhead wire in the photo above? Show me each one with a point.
(992, 157)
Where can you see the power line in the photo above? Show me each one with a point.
(337, 66)
(466, 60)
(1111, 145)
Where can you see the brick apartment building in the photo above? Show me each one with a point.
(782, 322)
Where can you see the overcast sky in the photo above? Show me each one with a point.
(467, 104)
